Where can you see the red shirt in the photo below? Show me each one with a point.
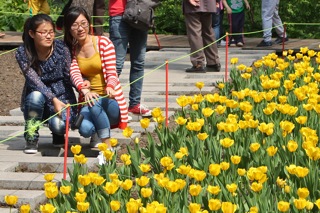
(116, 7)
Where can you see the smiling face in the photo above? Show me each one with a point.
(43, 36)
(80, 28)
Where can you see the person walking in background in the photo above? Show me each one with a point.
(235, 10)
(217, 21)
(270, 17)
(198, 19)
(45, 63)
(93, 58)
(38, 6)
(122, 34)
(99, 9)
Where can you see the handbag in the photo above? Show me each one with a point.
(139, 14)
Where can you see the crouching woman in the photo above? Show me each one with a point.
(45, 63)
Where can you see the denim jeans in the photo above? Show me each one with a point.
(121, 34)
(99, 118)
(36, 108)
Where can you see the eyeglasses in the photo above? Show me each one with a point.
(46, 33)
(75, 26)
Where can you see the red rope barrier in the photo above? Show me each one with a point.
(66, 145)
(167, 92)
(158, 42)
(284, 35)
(227, 48)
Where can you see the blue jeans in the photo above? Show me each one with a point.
(99, 118)
(36, 108)
(121, 34)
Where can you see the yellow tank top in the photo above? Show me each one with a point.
(91, 69)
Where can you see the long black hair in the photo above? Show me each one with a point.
(69, 18)
(32, 24)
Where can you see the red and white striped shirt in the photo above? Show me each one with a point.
(108, 64)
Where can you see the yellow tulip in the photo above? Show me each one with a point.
(300, 203)
(25, 208)
(182, 101)
(283, 206)
(256, 187)
(133, 205)
(241, 67)
(254, 147)
(127, 184)
(126, 159)
(195, 107)
(51, 192)
(80, 159)
(272, 150)
(292, 146)
(183, 169)
(234, 60)
(110, 188)
(301, 172)
(246, 75)
(199, 175)
(49, 177)
(167, 163)
(11, 199)
(241, 172)
(145, 167)
(156, 112)
(146, 192)
(301, 119)
(280, 182)
(47, 208)
(303, 192)
(232, 187)
(214, 189)
(194, 207)
(221, 85)
(84, 180)
(83, 206)
(181, 183)
(80, 197)
(214, 204)
(145, 123)
(113, 142)
(224, 166)
(317, 203)
(181, 121)
(65, 189)
(228, 207)
(142, 181)
(76, 149)
(254, 209)
(214, 169)
(291, 169)
(220, 109)
(202, 136)
(195, 190)
(235, 159)
(172, 186)
(102, 146)
(226, 142)
(200, 84)
(207, 112)
(127, 132)
(115, 205)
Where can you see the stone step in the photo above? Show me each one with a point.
(32, 197)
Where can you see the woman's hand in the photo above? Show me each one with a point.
(89, 98)
(58, 105)
(86, 84)
(110, 92)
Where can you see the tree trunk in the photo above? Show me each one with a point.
(86, 4)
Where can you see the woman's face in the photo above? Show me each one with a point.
(80, 28)
(43, 36)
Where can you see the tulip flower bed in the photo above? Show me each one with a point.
(252, 147)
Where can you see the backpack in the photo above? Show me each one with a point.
(140, 13)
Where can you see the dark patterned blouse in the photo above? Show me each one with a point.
(54, 80)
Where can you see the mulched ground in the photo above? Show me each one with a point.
(11, 82)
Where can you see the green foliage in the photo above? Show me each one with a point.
(12, 15)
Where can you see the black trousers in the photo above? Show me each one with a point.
(237, 24)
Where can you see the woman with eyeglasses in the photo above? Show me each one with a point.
(45, 64)
(94, 59)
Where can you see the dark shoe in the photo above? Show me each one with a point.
(240, 44)
(213, 68)
(57, 140)
(196, 69)
(265, 44)
(279, 40)
(31, 147)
